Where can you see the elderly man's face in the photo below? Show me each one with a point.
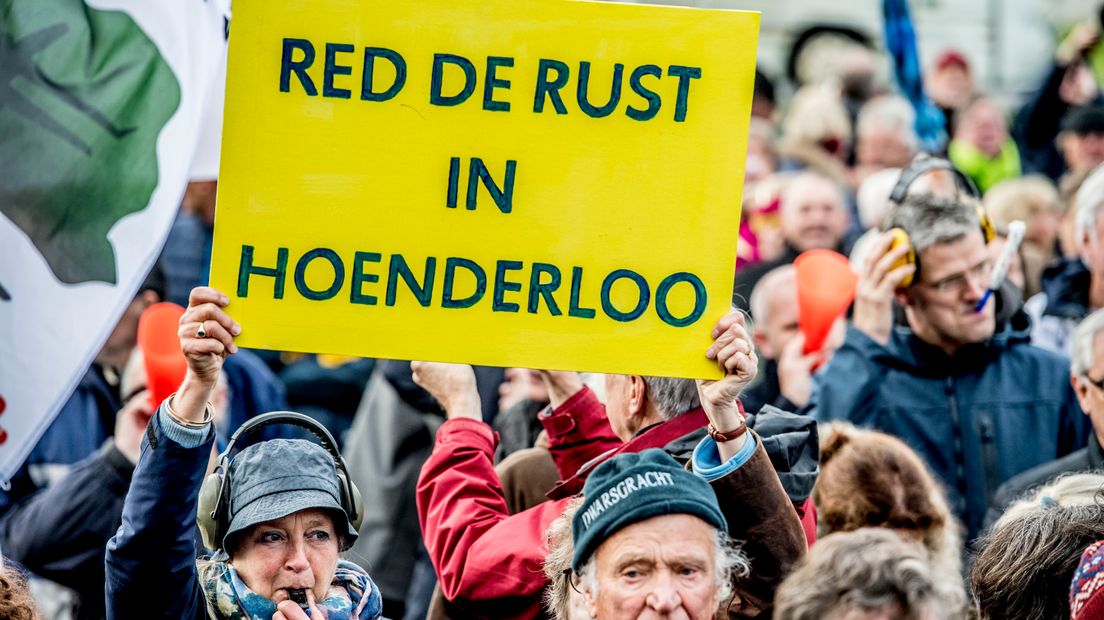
(953, 279)
(1090, 389)
(298, 551)
(663, 567)
(813, 215)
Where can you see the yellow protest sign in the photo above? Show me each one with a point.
(547, 184)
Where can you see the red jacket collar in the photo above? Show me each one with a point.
(655, 436)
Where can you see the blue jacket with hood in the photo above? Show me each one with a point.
(989, 412)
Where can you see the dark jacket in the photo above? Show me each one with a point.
(993, 410)
(1063, 302)
(60, 532)
(749, 276)
(1089, 458)
(84, 422)
(151, 561)
(1038, 124)
(767, 391)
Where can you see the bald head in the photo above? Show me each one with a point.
(774, 308)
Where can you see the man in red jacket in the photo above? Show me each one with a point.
(490, 563)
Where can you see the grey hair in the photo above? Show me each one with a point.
(672, 396)
(558, 599)
(866, 571)
(893, 113)
(1081, 355)
(1089, 198)
(931, 220)
(1067, 491)
(1026, 562)
(729, 562)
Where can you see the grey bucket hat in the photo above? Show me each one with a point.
(275, 478)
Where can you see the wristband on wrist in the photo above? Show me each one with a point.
(208, 414)
(720, 437)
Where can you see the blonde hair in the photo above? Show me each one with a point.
(816, 112)
(1021, 199)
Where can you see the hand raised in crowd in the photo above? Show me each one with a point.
(1081, 38)
(878, 280)
(561, 385)
(520, 385)
(734, 353)
(795, 370)
(453, 385)
(206, 337)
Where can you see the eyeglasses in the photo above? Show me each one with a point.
(1097, 383)
(570, 579)
(959, 282)
(132, 394)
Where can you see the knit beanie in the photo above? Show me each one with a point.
(629, 488)
(1087, 588)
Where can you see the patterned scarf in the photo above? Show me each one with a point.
(352, 595)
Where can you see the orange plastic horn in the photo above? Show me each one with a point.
(825, 288)
(157, 338)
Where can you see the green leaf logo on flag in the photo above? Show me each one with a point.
(84, 94)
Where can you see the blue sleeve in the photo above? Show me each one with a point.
(187, 437)
(706, 460)
(150, 562)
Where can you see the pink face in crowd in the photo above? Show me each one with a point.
(953, 280)
(663, 567)
(299, 551)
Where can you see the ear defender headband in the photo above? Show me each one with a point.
(213, 514)
(920, 166)
(924, 164)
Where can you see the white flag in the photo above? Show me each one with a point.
(103, 107)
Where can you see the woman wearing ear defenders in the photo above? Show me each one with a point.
(277, 513)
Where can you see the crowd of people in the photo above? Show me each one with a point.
(937, 452)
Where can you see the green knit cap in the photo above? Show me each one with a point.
(630, 488)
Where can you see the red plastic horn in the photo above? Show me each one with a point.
(157, 338)
(825, 288)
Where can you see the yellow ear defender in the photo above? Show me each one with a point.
(900, 237)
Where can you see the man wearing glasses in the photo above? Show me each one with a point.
(974, 399)
(1087, 379)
